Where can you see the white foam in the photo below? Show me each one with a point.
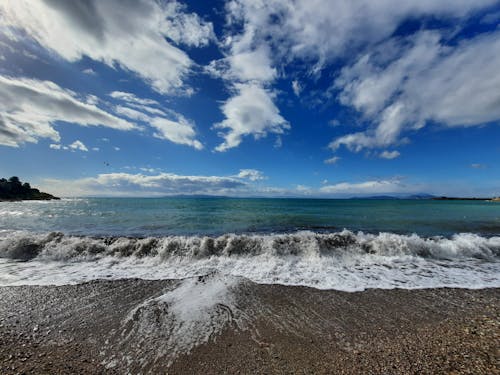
(342, 261)
(193, 312)
(194, 299)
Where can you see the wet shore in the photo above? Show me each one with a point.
(217, 325)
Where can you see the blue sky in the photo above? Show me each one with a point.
(251, 98)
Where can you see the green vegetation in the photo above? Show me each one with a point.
(14, 190)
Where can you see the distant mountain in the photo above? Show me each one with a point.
(194, 196)
(462, 199)
(14, 190)
(377, 197)
(420, 196)
(389, 197)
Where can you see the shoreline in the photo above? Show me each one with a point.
(214, 324)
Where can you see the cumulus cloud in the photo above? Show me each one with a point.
(127, 184)
(319, 31)
(315, 34)
(78, 145)
(429, 81)
(389, 154)
(243, 66)
(180, 131)
(29, 108)
(186, 28)
(251, 174)
(138, 36)
(248, 71)
(250, 112)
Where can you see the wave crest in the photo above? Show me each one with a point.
(57, 246)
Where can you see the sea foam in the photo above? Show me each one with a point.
(342, 260)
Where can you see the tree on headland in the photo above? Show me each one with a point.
(15, 180)
(14, 189)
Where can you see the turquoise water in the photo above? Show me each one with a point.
(215, 216)
(330, 244)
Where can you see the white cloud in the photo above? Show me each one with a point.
(278, 143)
(187, 28)
(250, 112)
(29, 108)
(55, 146)
(168, 124)
(367, 187)
(389, 154)
(132, 113)
(148, 170)
(126, 184)
(78, 145)
(95, 148)
(244, 66)
(251, 174)
(296, 87)
(132, 98)
(138, 104)
(319, 31)
(334, 123)
(428, 81)
(89, 71)
(116, 148)
(92, 99)
(477, 166)
(303, 189)
(254, 65)
(180, 131)
(249, 72)
(315, 33)
(332, 160)
(132, 35)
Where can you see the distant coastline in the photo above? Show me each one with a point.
(494, 199)
(13, 190)
(429, 197)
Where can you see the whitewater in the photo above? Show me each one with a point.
(387, 244)
(342, 260)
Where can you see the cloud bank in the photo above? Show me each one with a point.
(127, 184)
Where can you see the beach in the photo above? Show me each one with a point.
(217, 324)
(249, 286)
(249, 187)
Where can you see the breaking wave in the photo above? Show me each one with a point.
(342, 260)
(57, 246)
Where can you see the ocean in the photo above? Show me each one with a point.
(347, 245)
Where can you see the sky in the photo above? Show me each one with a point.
(317, 98)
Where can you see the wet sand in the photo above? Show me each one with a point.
(207, 327)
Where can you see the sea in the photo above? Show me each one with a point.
(348, 244)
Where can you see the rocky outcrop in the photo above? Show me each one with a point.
(14, 190)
